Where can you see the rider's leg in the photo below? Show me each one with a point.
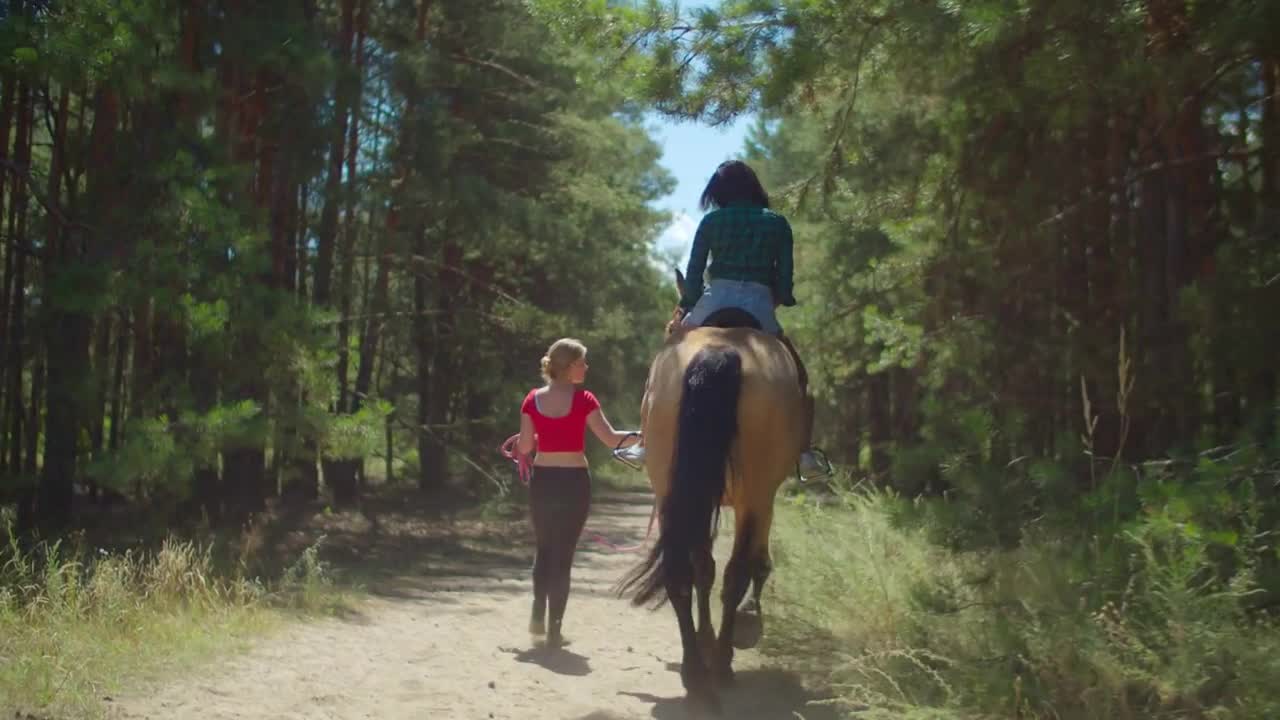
(810, 465)
(803, 375)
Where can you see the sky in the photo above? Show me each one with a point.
(691, 152)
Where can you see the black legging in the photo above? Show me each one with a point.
(559, 499)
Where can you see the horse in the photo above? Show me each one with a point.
(721, 418)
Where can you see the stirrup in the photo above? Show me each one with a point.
(824, 468)
(628, 456)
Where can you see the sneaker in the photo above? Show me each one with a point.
(813, 465)
(555, 639)
(537, 627)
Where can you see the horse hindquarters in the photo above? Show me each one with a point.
(705, 430)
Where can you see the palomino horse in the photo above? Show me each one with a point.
(722, 426)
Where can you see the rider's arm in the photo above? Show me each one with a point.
(785, 265)
(602, 429)
(697, 265)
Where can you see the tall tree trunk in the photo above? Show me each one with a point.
(440, 368)
(200, 367)
(18, 294)
(1149, 430)
(1264, 403)
(8, 248)
(96, 414)
(879, 413)
(27, 520)
(376, 318)
(342, 475)
(32, 425)
(422, 325)
(66, 338)
(118, 390)
(327, 231)
(101, 386)
(349, 229)
(143, 380)
(244, 465)
(422, 335)
(294, 454)
(300, 240)
(389, 430)
(853, 401)
(906, 425)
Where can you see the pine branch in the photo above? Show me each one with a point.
(494, 65)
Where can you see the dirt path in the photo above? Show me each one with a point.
(450, 642)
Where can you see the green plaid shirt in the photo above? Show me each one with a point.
(746, 243)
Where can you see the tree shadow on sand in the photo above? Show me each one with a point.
(763, 694)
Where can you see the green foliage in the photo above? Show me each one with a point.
(157, 453)
(965, 180)
(1041, 631)
(360, 434)
(503, 148)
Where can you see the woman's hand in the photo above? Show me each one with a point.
(603, 430)
(677, 316)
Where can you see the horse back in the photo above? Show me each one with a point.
(770, 408)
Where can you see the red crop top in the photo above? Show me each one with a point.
(566, 433)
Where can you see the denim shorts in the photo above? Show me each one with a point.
(752, 297)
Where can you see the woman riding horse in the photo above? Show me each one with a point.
(722, 417)
(725, 418)
(750, 247)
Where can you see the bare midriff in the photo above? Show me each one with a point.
(560, 459)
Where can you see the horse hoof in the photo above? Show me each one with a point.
(747, 629)
(703, 703)
(707, 647)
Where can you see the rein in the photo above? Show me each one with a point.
(524, 470)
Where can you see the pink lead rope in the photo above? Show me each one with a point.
(524, 463)
(524, 468)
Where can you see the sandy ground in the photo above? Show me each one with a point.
(451, 642)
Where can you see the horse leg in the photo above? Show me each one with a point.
(693, 670)
(704, 577)
(759, 566)
(736, 581)
(751, 615)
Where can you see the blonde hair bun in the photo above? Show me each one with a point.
(562, 353)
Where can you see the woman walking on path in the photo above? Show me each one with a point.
(553, 421)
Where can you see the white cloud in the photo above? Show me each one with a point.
(677, 238)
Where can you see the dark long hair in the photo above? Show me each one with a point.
(733, 182)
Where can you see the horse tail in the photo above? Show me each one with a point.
(707, 426)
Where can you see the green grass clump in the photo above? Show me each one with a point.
(902, 628)
(76, 626)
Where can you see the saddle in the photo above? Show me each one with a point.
(729, 317)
